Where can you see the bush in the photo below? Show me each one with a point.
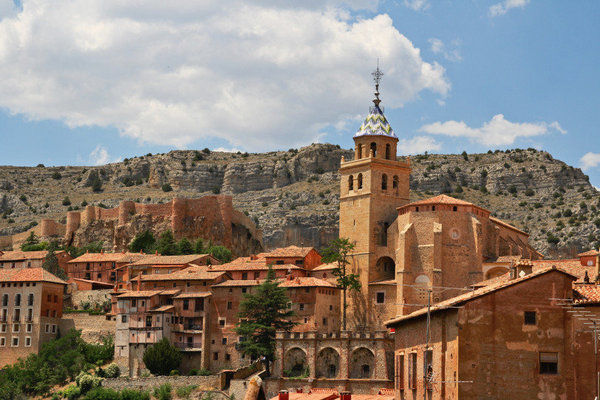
(512, 189)
(163, 392)
(87, 382)
(175, 372)
(184, 392)
(204, 372)
(71, 392)
(100, 393)
(66, 201)
(112, 371)
(162, 357)
(143, 241)
(130, 394)
(221, 253)
(216, 190)
(56, 175)
(529, 192)
(167, 187)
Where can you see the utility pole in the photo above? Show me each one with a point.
(425, 361)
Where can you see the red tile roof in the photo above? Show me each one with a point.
(306, 282)
(463, 298)
(139, 293)
(509, 226)
(192, 295)
(238, 283)
(170, 260)
(109, 257)
(290, 251)
(441, 199)
(588, 253)
(325, 267)
(586, 294)
(183, 275)
(29, 275)
(18, 255)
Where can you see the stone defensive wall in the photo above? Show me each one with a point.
(181, 213)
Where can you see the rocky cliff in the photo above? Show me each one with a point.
(294, 195)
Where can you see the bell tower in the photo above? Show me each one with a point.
(373, 185)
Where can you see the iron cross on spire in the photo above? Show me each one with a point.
(377, 74)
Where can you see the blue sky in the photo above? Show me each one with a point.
(85, 87)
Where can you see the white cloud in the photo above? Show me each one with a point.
(590, 160)
(450, 54)
(496, 132)
(258, 75)
(417, 145)
(417, 5)
(7, 9)
(100, 156)
(504, 6)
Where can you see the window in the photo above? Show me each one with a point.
(244, 275)
(428, 359)
(3, 328)
(324, 321)
(123, 318)
(53, 328)
(399, 372)
(529, 318)
(351, 182)
(384, 182)
(18, 300)
(28, 328)
(47, 328)
(16, 328)
(215, 356)
(186, 304)
(133, 303)
(221, 321)
(387, 152)
(380, 297)
(2, 341)
(244, 290)
(5, 300)
(224, 340)
(395, 182)
(360, 181)
(549, 363)
(148, 321)
(412, 371)
(27, 341)
(358, 151)
(454, 208)
(17, 315)
(374, 149)
(227, 356)
(30, 299)
(15, 342)
(330, 307)
(301, 306)
(229, 305)
(256, 274)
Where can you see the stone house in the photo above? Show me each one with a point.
(100, 267)
(31, 304)
(31, 259)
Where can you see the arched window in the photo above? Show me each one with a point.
(360, 181)
(374, 149)
(351, 182)
(384, 182)
(387, 152)
(359, 151)
(395, 182)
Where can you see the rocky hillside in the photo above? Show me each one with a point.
(293, 195)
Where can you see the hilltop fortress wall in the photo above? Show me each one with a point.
(210, 217)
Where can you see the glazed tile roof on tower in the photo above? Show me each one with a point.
(29, 275)
(375, 124)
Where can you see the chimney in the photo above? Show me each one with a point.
(345, 396)
(513, 272)
(524, 267)
(156, 253)
(101, 251)
(284, 395)
(299, 390)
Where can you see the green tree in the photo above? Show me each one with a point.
(162, 357)
(166, 244)
(221, 253)
(337, 252)
(32, 243)
(50, 263)
(199, 246)
(184, 246)
(143, 241)
(263, 313)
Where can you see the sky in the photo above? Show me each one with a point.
(88, 82)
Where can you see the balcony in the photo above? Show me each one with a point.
(188, 346)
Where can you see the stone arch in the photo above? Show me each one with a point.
(421, 287)
(294, 362)
(388, 152)
(384, 182)
(362, 363)
(328, 363)
(351, 182)
(495, 271)
(360, 183)
(374, 149)
(385, 269)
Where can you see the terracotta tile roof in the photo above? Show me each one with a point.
(238, 283)
(373, 396)
(18, 255)
(588, 253)
(139, 293)
(252, 266)
(183, 275)
(306, 282)
(92, 282)
(170, 260)
(325, 267)
(586, 294)
(463, 298)
(163, 308)
(169, 292)
(507, 259)
(507, 225)
(29, 275)
(290, 251)
(572, 266)
(192, 295)
(441, 199)
(109, 257)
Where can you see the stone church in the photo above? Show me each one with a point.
(402, 248)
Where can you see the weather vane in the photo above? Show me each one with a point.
(377, 74)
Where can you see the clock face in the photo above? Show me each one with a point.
(590, 263)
